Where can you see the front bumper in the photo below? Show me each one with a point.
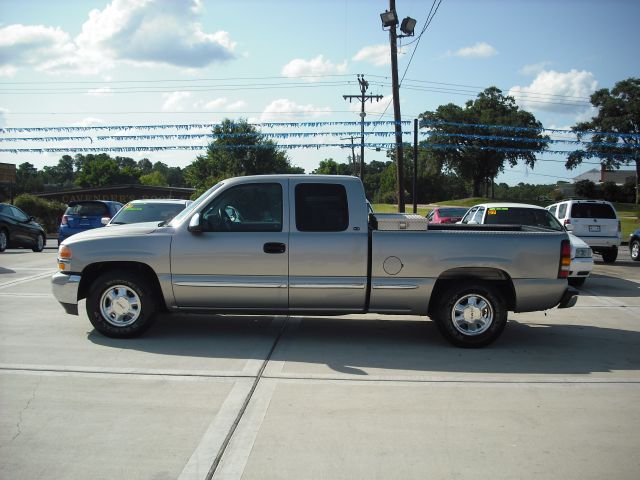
(569, 298)
(65, 290)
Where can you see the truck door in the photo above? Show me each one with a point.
(327, 246)
(240, 259)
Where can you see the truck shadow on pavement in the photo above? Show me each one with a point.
(364, 346)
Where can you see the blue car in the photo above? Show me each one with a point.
(85, 215)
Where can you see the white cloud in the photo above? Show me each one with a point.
(237, 106)
(557, 92)
(479, 50)
(313, 68)
(283, 110)
(175, 101)
(534, 68)
(212, 105)
(100, 92)
(140, 32)
(89, 122)
(377, 55)
(36, 46)
(221, 104)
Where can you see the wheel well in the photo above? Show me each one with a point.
(496, 278)
(93, 271)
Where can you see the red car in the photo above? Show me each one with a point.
(446, 214)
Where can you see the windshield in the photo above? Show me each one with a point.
(136, 212)
(530, 217)
(187, 211)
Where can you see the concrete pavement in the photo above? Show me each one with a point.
(558, 396)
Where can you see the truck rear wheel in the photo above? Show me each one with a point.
(121, 305)
(471, 315)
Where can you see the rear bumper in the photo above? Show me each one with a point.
(569, 298)
(601, 242)
(65, 290)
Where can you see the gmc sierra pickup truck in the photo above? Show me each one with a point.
(307, 244)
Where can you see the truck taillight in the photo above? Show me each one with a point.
(565, 259)
(567, 221)
(65, 220)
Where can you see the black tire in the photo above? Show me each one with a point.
(577, 281)
(4, 239)
(488, 303)
(134, 313)
(39, 245)
(610, 255)
(634, 250)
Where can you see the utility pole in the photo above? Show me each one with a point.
(364, 85)
(353, 155)
(393, 40)
(390, 20)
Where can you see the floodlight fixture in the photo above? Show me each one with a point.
(389, 19)
(407, 26)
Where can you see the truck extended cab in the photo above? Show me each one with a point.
(307, 244)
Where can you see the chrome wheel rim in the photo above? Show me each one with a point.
(635, 250)
(472, 315)
(3, 240)
(40, 244)
(120, 306)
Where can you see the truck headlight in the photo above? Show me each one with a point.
(583, 253)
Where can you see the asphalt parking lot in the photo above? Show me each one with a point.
(558, 396)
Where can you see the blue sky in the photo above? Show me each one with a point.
(150, 62)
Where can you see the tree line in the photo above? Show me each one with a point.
(465, 149)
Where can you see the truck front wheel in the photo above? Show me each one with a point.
(471, 315)
(121, 305)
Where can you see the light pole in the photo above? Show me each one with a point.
(390, 21)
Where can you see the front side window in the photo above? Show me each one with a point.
(321, 207)
(477, 218)
(467, 218)
(254, 207)
(562, 210)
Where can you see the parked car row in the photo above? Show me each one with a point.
(88, 214)
(19, 230)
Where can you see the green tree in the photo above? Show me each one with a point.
(327, 166)
(156, 179)
(61, 175)
(618, 113)
(101, 170)
(586, 189)
(463, 150)
(28, 179)
(239, 149)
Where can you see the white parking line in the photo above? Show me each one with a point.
(19, 281)
(237, 453)
(197, 468)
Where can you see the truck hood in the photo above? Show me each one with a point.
(132, 229)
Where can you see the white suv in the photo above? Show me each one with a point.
(594, 221)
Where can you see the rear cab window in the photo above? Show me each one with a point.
(321, 207)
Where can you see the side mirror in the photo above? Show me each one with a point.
(194, 224)
(105, 220)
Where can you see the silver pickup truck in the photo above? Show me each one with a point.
(307, 244)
